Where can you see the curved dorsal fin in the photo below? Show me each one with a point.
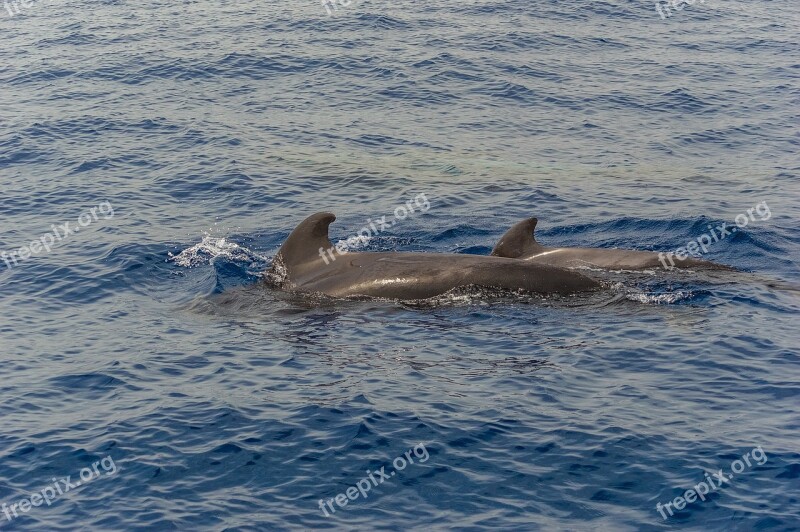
(518, 241)
(304, 243)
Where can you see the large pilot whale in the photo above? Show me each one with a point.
(520, 243)
(306, 263)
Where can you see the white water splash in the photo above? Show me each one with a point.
(650, 298)
(659, 299)
(209, 249)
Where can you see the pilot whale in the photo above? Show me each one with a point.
(302, 265)
(520, 243)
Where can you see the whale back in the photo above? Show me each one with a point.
(303, 244)
(518, 241)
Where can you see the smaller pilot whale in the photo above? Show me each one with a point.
(301, 265)
(519, 243)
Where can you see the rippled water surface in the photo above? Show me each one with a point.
(212, 128)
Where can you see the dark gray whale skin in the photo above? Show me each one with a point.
(519, 243)
(299, 266)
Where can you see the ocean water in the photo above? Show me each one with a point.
(184, 141)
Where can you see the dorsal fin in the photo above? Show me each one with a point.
(518, 241)
(303, 244)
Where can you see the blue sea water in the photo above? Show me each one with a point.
(145, 340)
